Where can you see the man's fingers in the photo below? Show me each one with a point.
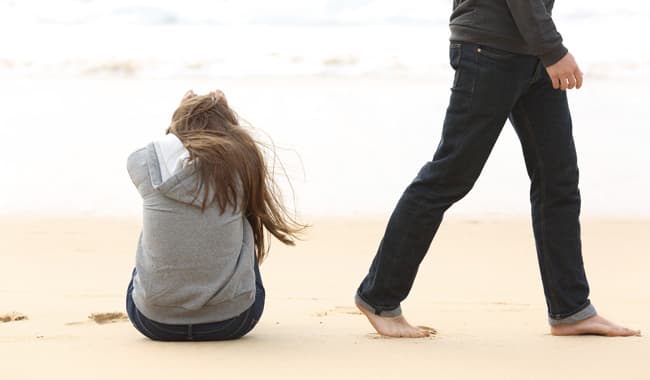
(556, 82)
(579, 78)
(572, 82)
(564, 81)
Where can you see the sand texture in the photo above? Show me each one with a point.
(62, 285)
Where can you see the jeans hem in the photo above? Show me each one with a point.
(581, 315)
(382, 313)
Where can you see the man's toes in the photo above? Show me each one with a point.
(417, 334)
(422, 333)
(622, 331)
(410, 332)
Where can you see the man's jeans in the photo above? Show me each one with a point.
(233, 328)
(489, 87)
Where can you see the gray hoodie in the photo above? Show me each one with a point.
(191, 266)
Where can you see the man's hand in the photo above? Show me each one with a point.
(565, 73)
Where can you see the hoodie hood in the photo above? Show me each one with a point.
(171, 172)
(172, 155)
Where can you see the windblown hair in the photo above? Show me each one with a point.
(231, 168)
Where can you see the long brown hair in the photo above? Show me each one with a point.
(231, 168)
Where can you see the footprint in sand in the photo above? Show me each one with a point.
(346, 310)
(339, 310)
(12, 317)
(102, 318)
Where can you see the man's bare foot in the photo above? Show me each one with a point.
(396, 327)
(595, 325)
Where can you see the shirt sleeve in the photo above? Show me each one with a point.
(538, 29)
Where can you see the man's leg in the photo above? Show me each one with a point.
(483, 94)
(543, 122)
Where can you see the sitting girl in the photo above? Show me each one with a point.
(207, 198)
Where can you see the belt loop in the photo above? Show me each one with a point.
(189, 333)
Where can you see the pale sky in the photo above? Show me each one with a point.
(277, 11)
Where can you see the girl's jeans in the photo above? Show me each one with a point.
(233, 328)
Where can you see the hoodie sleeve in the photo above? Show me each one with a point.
(138, 170)
(538, 29)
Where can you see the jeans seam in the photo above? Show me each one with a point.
(542, 213)
(475, 77)
(190, 334)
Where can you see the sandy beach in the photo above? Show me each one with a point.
(352, 95)
(479, 287)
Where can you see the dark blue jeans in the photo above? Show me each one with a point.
(489, 87)
(229, 329)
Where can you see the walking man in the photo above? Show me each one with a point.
(509, 63)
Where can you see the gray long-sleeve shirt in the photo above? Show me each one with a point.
(517, 26)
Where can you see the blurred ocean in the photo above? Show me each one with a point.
(162, 39)
(355, 91)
